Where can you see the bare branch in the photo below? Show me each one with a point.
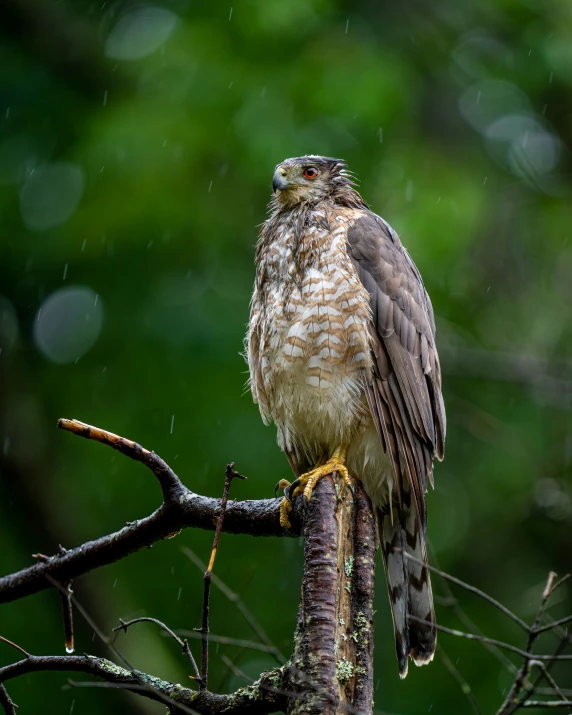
(473, 589)
(6, 701)
(553, 624)
(227, 640)
(14, 645)
(229, 476)
(549, 679)
(183, 643)
(181, 509)
(546, 704)
(67, 614)
(171, 485)
(235, 669)
(259, 698)
(242, 607)
(465, 687)
(500, 644)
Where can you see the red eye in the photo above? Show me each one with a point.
(310, 172)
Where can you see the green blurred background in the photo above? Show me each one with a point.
(137, 146)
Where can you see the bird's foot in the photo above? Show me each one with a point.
(306, 482)
(285, 505)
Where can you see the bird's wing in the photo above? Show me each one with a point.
(404, 396)
(405, 390)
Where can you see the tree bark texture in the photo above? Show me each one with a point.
(332, 659)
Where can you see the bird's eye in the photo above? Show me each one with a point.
(310, 172)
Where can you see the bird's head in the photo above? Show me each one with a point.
(309, 179)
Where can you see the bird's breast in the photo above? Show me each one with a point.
(316, 313)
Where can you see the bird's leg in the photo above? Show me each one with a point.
(285, 504)
(336, 463)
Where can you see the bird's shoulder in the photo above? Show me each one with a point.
(385, 267)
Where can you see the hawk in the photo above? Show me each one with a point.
(342, 358)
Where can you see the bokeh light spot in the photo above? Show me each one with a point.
(50, 195)
(140, 32)
(68, 324)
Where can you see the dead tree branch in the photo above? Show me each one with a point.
(340, 545)
(230, 475)
(331, 668)
(262, 693)
(181, 509)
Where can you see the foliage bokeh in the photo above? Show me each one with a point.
(137, 143)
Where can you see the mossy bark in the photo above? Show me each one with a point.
(332, 661)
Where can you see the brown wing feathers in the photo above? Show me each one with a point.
(404, 397)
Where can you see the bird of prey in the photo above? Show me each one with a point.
(342, 358)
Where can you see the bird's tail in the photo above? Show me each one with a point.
(401, 535)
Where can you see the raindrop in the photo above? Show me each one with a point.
(68, 324)
(230, 15)
(105, 98)
(65, 272)
(172, 423)
(83, 245)
(51, 195)
(140, 32)
(179, 594)
(70, 649)
(347, 25)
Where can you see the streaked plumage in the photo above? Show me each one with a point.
(341, 350)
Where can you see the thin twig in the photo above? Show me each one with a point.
(521, 688)
(550, 680)
(472, 589)
(181, 509)
(242, 607)
(546, 704)
(550, 691)
(170, 483)
(451, 602)
(554, 624)
(109, 643)
(183, 643)
(6, 701)
(465, 687)
(235, 669)
(500, 644)
(226, 640)
(14, 645)
(560, 582)
(229, 476)
(67, 614)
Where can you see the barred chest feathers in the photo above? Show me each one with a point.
(309, 343)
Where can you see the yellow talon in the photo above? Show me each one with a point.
(282, 484)
(336, 463)
(285, 509)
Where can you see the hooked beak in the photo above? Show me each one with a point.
(279, 182)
